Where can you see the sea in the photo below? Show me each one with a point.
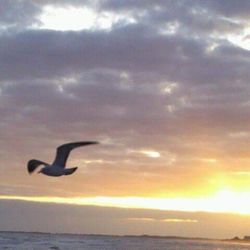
(41, 241)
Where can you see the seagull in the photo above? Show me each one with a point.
(57, 168)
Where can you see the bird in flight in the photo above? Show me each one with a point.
(57, 168)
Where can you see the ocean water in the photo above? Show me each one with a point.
(39, 241)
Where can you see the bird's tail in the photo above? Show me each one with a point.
(69, 171)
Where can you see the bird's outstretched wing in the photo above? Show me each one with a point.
(63, 151)
(33, 164)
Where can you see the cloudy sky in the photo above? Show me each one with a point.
(163, 85)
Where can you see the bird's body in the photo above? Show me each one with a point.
(54, 170)
(57, 168)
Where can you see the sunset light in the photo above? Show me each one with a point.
(225, 201)
(125, 118)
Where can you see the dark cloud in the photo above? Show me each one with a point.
(46, 54)
(18, 14)
(198, 18)
(227, 8)
(230, 8)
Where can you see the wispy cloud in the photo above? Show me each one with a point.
(168, 220)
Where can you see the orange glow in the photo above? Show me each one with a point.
(225, 201)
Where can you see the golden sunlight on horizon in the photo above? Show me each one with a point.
(224, 201)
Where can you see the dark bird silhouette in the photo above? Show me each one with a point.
(57, 168)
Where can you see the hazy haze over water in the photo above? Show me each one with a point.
(40, 241)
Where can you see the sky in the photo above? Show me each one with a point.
(162, 85)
